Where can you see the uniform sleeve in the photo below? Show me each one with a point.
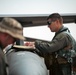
(58, 43)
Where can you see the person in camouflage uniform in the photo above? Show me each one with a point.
(59, 46)
(10, 30)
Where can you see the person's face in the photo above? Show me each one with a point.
(52, 24)
(6, 40)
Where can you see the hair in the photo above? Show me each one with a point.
(56, 16)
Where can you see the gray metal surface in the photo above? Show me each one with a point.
(26, 63)
(30, 20)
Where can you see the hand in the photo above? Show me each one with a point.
(32, 44)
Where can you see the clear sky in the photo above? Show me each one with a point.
(39, 7)
(45, 33)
